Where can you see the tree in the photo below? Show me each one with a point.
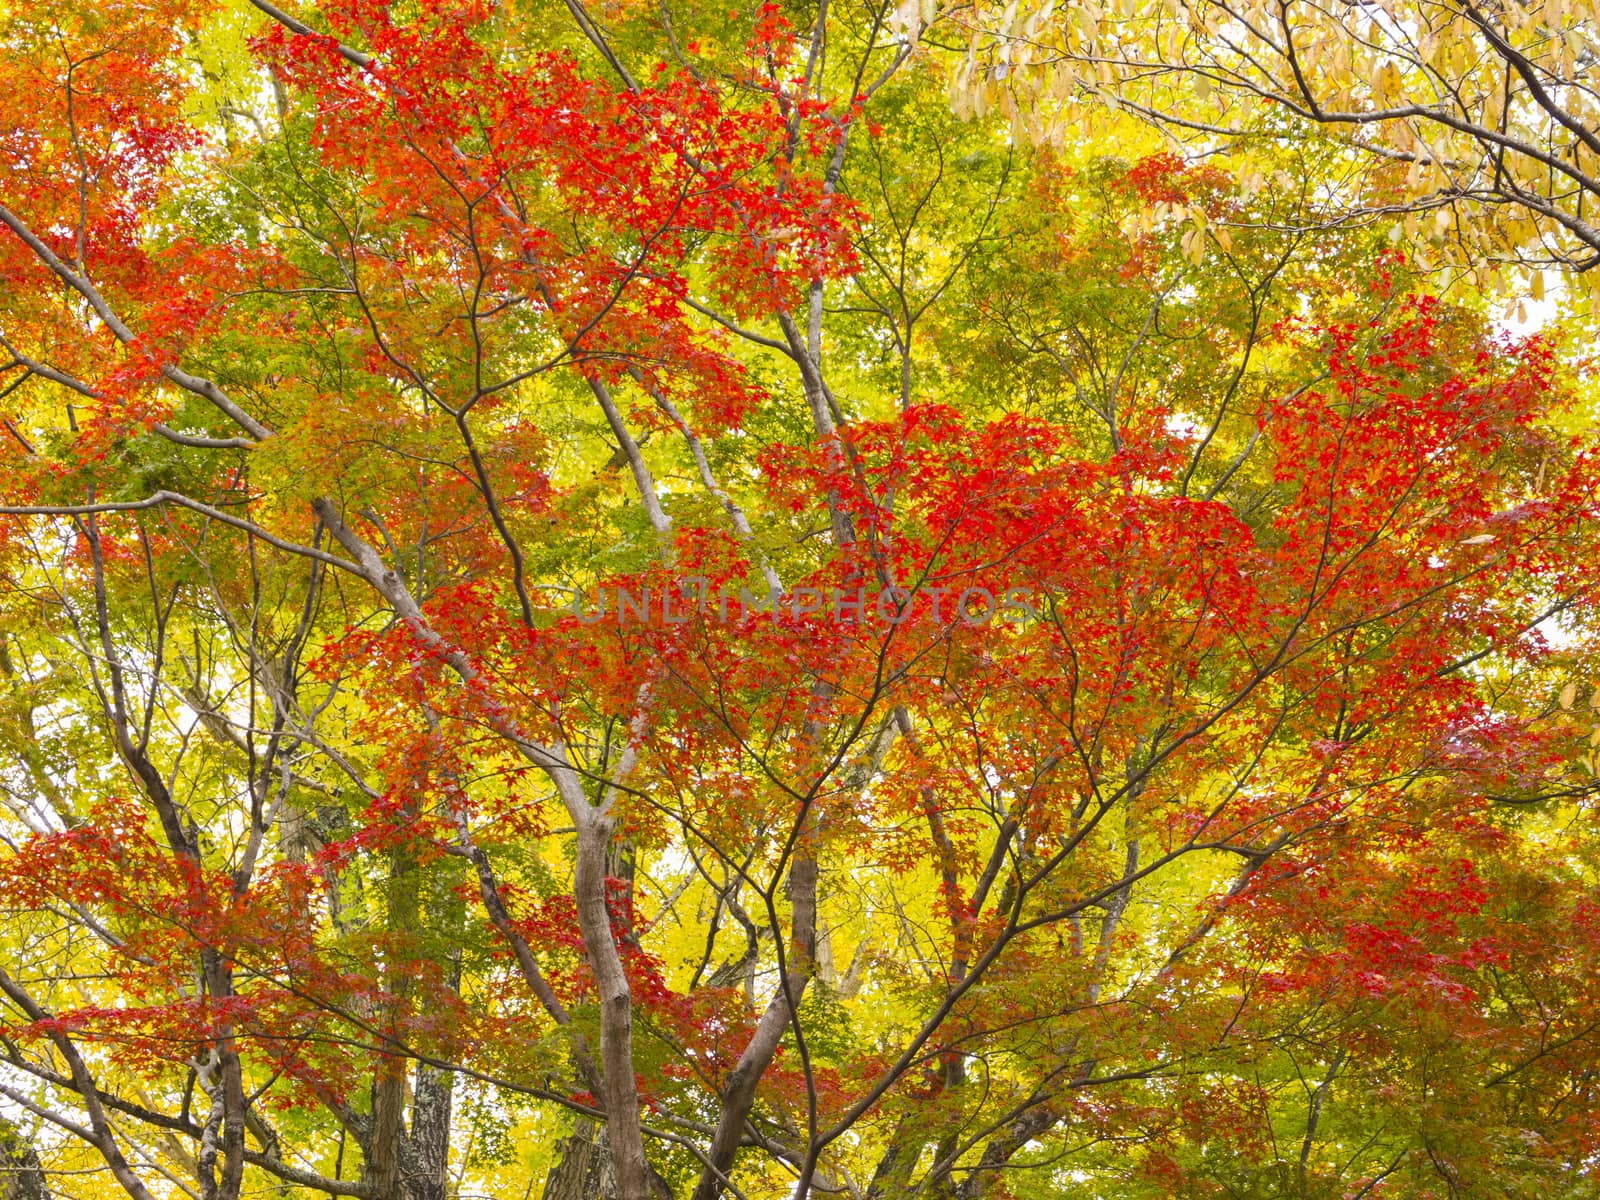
(621, 601)
(1476, 119)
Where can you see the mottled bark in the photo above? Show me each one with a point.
(431, 1113)
(388, 1128)
(584, 1170)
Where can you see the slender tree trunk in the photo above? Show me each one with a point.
(430, 1133)
(388, 1128)
(389, 1081)
(739, 1093)
(616, 1011)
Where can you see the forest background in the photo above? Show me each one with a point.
(1246, 345)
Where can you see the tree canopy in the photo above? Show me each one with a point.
(629, 602)
(1480, 119)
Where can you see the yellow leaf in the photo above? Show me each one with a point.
(1387, 82)
(1569, 694)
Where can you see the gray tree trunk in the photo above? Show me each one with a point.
(430, 1133)
(584, 1170)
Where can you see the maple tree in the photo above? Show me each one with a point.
(623, 602)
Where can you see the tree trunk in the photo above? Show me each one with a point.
(21, 1174)
(430, 1133)
(621, 1100)
(584, 1172)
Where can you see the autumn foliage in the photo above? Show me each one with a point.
(616, 601)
